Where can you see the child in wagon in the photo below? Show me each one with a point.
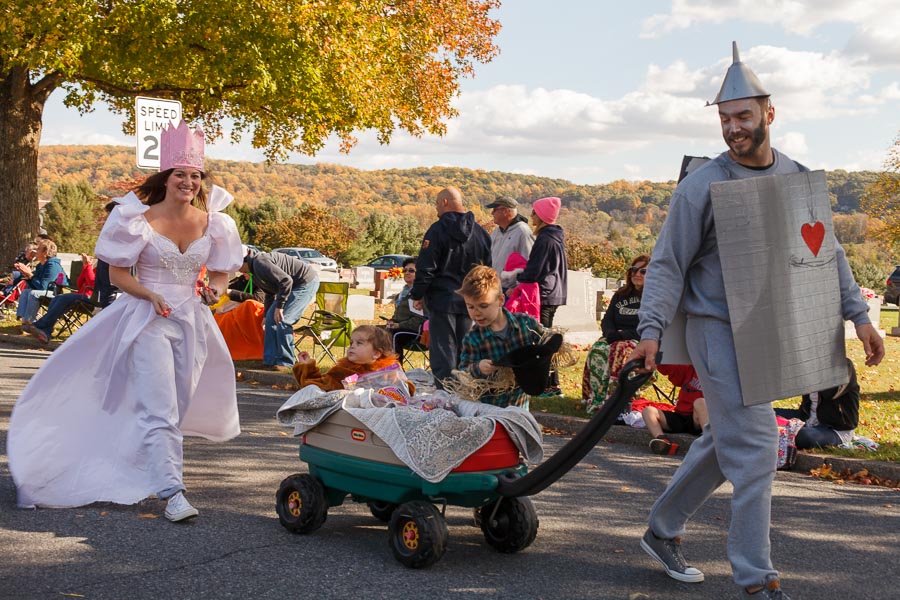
(495, 333)
(371, 349)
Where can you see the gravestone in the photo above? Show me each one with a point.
(365, 277)
(579, 315)
(329, 276)
(874, 316)
(360, 308)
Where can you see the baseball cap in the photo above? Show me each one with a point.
(504, 201)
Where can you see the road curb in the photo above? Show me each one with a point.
(619, 434)
(623, 434)
(806, 461)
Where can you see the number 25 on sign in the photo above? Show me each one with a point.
(151, 115)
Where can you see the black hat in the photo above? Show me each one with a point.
(531, 364)
(504, 201)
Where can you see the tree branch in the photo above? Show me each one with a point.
(117, 90)
(44, 86)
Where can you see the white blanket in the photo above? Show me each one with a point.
(431, 443)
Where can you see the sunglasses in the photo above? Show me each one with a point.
(641, 270)
(409, 270)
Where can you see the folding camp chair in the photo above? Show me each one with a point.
(77, 315)
(9, 300)
(328, 325)
(61, 288)
(414, 342)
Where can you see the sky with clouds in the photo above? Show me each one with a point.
(598, 90)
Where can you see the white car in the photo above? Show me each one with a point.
(311, 256)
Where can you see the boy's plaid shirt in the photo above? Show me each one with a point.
(482, 343)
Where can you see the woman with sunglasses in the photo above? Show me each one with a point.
(620, 337)
(406, 325)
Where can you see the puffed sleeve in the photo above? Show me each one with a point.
(226, 254)
(125, 232)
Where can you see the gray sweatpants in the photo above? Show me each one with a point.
(739, 445)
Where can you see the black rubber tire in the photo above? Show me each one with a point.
(417, 534)
(382, 510)
(514, 526)
(301, 504)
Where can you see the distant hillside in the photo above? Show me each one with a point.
(591, 210)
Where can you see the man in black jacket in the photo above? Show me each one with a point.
(451, 247)
(290, 284)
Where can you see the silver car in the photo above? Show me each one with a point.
(311, 256)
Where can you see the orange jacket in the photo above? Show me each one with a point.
(308, 373)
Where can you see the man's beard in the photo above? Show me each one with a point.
(757, 137)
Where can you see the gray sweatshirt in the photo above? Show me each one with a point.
(686, 256)
(517, 238)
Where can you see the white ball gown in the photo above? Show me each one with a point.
(103, 418)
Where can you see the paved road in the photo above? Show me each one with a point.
(830, 541)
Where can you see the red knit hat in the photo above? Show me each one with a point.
(547, 209)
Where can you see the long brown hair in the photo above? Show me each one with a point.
(629, 288)
(153, 189)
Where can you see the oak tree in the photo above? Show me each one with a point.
(289, 73)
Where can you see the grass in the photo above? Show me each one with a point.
(879, 402)
(879, 396)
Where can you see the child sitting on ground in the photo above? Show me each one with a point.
(370, 349)
(689, 415)
(495, 332)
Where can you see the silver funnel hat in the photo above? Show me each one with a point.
(740, 81)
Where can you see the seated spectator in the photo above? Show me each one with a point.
(689, 415)
(831, 415)
(28, 257)
(88, 280)
(404, 319)
(39, 281)
(619, 325)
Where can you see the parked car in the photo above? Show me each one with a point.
(892, 289)
(311, 256)
(387, 261)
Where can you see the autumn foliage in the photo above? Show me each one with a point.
(288, 74)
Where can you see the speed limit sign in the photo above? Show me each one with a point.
(151, 115)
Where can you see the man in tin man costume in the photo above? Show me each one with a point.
(740, 443)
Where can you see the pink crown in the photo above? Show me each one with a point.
(181, 147)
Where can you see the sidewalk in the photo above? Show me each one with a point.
(566, 425)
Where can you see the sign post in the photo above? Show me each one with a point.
(151, 115)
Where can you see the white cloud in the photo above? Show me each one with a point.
(792, 143)
(885, 94)
(800, 17)
(75, 135)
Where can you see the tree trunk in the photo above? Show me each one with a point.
(21, 109)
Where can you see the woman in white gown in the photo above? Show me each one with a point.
(103, 418)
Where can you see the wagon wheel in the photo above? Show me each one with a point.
(417, 534)
(382, 510)
(301, 503)
(514, 524)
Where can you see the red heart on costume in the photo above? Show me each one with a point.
(813, 236)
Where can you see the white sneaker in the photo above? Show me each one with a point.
(179, 509)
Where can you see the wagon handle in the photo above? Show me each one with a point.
(510, 486)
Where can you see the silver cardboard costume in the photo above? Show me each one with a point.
(777, 249)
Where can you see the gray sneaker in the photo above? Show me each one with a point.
(772, 591)
(179, 509)
(668, 554)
